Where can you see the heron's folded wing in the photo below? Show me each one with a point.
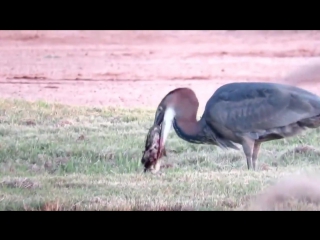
(259, 109)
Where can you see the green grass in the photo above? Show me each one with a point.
(55, 157)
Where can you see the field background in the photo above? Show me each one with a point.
(76, 106)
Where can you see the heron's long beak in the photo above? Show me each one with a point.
(158, 119)
(166, 126)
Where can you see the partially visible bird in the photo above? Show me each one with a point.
(243, 113)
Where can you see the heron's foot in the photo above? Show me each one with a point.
(251, 168)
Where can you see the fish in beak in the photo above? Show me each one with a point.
(150, 157)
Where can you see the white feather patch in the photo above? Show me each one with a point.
(167, 123)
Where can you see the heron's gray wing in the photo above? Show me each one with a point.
(259, 108)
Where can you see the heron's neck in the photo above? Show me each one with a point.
(189, 129)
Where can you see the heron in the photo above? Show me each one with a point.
(245, 113)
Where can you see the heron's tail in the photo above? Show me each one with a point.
(313, 122)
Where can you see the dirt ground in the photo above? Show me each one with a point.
(137, 68)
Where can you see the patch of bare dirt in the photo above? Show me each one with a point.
(137, 68)
(291, 193)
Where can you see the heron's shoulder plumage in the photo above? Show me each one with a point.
(245, 90)
(246, 107)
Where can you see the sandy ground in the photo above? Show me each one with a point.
(137, 68)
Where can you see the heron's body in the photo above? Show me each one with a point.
(261, 111)
(243, 113)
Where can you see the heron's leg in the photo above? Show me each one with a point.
(256, 148)
(247, 146)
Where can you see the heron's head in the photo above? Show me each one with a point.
(175, 104)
